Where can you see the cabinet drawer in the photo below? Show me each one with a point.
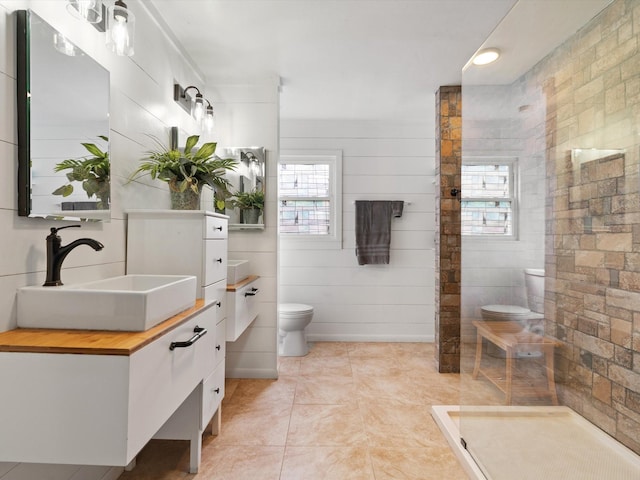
(242, 309)
(215, 261)
(217, 292)
(215, 227)
(212, 394)
(221, 344)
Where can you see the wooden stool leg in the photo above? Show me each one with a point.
(476, 367)
(548, 353)
(509, 366)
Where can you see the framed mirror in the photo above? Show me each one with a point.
(63, 126)
(248, 187)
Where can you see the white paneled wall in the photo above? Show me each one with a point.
(248, 116)
(141, 103)
(395, 302)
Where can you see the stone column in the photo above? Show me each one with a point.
(448, 241)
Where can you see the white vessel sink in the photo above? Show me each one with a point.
(237, 270)
(129, 302)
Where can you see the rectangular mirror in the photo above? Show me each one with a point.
(246, 205)
(63, 126)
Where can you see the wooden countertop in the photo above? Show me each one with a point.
(242, 283)
(90, 342)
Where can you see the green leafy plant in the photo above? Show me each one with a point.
(93, 171)
(186, 169)
(248, 200)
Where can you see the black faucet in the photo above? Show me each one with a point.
(56, 254)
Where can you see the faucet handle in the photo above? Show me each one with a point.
(54, 230)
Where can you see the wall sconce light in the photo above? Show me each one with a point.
(91, 11)
(208, 121)
(117, 21)
(194, 106)
(121, 24)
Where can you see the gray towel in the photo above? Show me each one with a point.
(373, 230)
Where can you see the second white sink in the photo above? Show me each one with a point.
(237, 270)
(128, 302)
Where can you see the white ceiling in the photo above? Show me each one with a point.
(351, 59)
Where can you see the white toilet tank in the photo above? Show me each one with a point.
(534, 283)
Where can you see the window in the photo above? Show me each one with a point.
(489, 198)
(309, 194)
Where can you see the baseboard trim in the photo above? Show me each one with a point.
(319, 337)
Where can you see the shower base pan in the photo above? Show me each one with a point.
(533, 443)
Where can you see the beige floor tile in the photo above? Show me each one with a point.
(249, 425)
(433, 463)
(326, 425)
(289, 366)
(345, 411)
(372, 350)
(324, 389)
(331, 349)
(325, 365)
(326, 463)
(260, 392)
(394, 389)
(395, 425)
(221, 462)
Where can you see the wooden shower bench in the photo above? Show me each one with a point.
(510, 337)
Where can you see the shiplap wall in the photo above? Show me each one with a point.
(395, 302)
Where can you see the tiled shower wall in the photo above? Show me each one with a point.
(592, 89)
(448, 239)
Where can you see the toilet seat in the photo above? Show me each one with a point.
(293, 309)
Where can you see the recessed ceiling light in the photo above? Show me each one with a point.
(486, 56)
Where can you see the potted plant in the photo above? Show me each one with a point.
(251, 205)
(186, 171)
(93, 171)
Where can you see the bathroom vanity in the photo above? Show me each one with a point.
(95, 397)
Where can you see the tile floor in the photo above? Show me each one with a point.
(346, 411)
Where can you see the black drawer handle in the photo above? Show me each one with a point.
(251, 292)
(217, 390)
(218, 347)
(218, 304)
(219, 260)
(218, 228)
(199, 333)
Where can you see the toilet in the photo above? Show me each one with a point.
(293, 318)
(530, 318)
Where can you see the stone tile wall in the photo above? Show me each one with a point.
(592, 300)
(448, 239)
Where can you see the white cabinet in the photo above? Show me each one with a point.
(96, 398)
(188, 242)
(242, 309)
(180, 242)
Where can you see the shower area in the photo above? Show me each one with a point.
(550, 279)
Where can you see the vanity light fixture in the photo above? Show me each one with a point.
(88, 10)
(486, 56)
(208, 121)
(121, 23)
(194, 106)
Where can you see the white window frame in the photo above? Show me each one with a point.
(333, 158)
(514, 180)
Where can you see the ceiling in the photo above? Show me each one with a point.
(355, 59)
